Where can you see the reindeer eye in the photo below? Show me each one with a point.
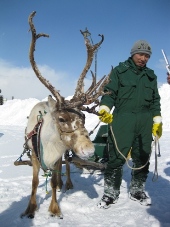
(61, 119)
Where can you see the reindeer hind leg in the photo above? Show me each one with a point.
(32, 205)
(69, 184)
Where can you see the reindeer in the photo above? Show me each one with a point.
(59, 124)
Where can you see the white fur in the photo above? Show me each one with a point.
(53, 147)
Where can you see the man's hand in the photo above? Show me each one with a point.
(157, 130)
(105, 117)
(157, 126)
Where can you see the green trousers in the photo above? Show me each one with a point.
(132, 131)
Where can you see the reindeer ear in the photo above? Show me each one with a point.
(52, 104)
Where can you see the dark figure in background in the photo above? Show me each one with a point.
(168, 78)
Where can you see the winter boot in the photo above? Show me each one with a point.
(106, 202)
(141, 197)
(137, 192)
(112, 183)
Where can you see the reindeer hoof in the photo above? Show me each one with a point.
(30, 216)
(59, 216)
(22, 215)
(68, 186)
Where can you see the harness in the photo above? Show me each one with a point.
(34, 135)
(80, 114)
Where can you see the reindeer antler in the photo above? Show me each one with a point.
(33, 63)
(90, 54)
(92, 97)
(80, 98)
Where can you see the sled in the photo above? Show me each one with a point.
(101, 145)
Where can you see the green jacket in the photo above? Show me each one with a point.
(133, 89)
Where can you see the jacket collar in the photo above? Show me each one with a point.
(129, 63)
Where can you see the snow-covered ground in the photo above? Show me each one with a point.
(79, 204)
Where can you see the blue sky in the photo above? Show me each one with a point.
(62, 57)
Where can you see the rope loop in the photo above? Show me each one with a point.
(156, 140)
(157, 154)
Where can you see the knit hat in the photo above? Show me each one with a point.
(141, 46)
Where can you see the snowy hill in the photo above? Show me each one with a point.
(79, 204)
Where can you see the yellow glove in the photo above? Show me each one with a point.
(104, 115)
(157, 126)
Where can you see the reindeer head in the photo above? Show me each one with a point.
(69, 124)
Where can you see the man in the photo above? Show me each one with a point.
(137, 114)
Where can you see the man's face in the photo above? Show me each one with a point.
(140, 59)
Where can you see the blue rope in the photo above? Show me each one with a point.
(49, 174)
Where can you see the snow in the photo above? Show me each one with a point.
(78, 205)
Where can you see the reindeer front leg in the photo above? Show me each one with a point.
(54, 208)
(59, 172)
(32, 205)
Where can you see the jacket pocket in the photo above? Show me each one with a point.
(148, 93)
(126, 89)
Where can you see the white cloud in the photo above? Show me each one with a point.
(21, 82)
